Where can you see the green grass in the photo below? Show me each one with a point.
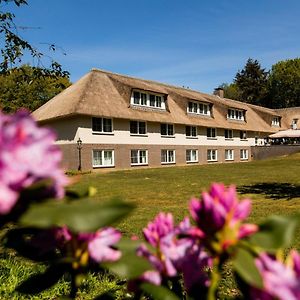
(273, 185)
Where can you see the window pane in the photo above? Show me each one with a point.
(143, 99)
(142, 127)
(158, 101)
(136, 97)
(171, 156)
(107, 125)
(96, 158)
(152, 100)
(208, 154)
(190, 107)
(143, 156)
(107, 158)
(188, 155)
(133, 127)
(195, 107)
(194, 155)
(170, 129)
(163, 155)
(97, 124)
(134, 156)
(163, 129)
(188, 130)
(205, 109)
(194, 131)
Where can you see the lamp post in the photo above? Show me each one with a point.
(79, 147)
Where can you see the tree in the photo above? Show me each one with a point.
(284, 83)
(14, 46)
(21, 88)
(231, 91)
(252, 83)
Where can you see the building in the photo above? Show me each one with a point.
(125, 122)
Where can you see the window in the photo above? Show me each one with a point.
(148, 99)
(243, 154)
(276, 121)
(103, 158)
(211, 133)
(139, 157)
(212, 155)
(243, 135)
(137, 127)
(167, 129)
(191, 155)
(167, 156)
(198, 108)
(236, 114)
(294, 123)
(191, 131)
(102, 125)
(229, 154)
(228, 134)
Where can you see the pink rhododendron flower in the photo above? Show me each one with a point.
(101, 246)
(280, 281)
(27, 155)
(220, 211)
(172, 244)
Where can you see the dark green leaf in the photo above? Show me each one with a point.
(244, 265)
(158, 292)
(130, 266)
(84, 215)
(40, 282)
(276, 232)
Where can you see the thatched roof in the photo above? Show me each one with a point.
(102, 93)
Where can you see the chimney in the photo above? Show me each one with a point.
(219, 92)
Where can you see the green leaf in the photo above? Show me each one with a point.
(276, 232)
(158, 292)
(244, 265)
(40, 282)
(129, 266)
(84, 215)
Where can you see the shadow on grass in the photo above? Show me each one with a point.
(272, 190)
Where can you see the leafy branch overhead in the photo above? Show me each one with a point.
(15, 47)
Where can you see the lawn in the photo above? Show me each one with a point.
(273, 185)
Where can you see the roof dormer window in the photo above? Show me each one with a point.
(236, 114)
(198, 108)
(276, 121)
(148, 99)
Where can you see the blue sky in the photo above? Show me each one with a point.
(195, 43)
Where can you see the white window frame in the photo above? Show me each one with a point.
(229, 154)
(188, 152)
(167, 130)
(139, 163)
(209, 131)
(138, 128)
(236, 114)
(244, 154)
(198, 108)
(167, 151)
(145, 101)
(229, 134)
(102, 158)
(276, 121)
(101, 119)
(191, 132)
(212, 155)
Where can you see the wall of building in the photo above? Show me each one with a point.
(265, 152)
(122, 155)
(69, 130)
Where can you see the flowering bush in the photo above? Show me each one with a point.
(185, 261)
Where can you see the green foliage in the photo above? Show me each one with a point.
(231, 91)
(276, 232)
(277, 88)
(14, 46)
(84, 215)
(158, 292)
(284, 83)
(22, 88)
(252, 82)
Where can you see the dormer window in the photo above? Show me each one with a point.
(198, 108)
(236, 114)
(276, 121)
(148, 99)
